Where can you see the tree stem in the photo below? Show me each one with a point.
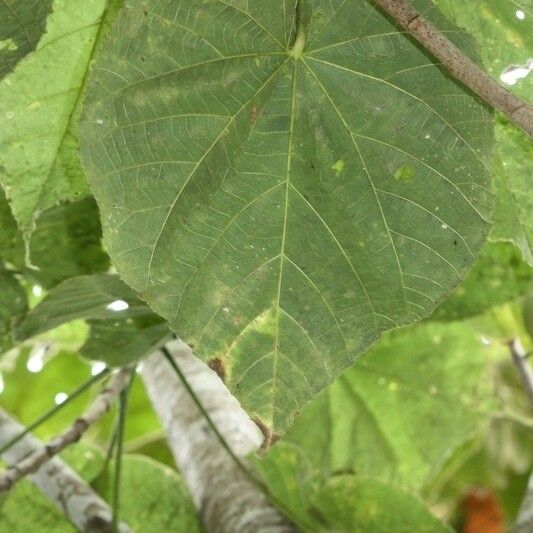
(58, 482)
(458, 64)
(225, 497)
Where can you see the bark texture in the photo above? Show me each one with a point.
(31, 462)
(58, 482)
(458, 64)
(225, 498)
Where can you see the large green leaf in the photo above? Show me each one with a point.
(283, 185)
(504, 31)
(123, 329)
(39, 104)
(22, 22)
(431, 376)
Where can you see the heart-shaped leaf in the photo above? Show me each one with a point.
(285, 183)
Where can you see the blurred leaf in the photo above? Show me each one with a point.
(342, 503)
(513, 217)
(499, 275)
(22, 22)
(152, 497)
(123, 329)
(39, 104)
(29, 393)
(528, 314)
(403, 408)
(13, 306)
(371, 506)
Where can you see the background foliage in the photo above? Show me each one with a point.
(429, 415)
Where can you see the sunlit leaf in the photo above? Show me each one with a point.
(283, 199)
(39, 105)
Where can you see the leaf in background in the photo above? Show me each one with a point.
(123, 329)
(66, 242)
(513, 217)
(22, 22)
(402, 409)
(504, 31)
(13, 307)
(281, 212)
(499, 276)
(39, 104)
(342, 503)
(372, 506)
(153, 498)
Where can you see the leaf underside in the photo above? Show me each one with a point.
(280, 209)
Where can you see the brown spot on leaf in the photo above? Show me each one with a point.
(269, 438)
(218, 366)
(256, 113)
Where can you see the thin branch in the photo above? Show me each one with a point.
(458, 64)
(58, 482)
(72, 434)
(53, 410)
(520, 361)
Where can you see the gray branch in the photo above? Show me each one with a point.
(225, 498)
(58, 482)
(39, 456)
